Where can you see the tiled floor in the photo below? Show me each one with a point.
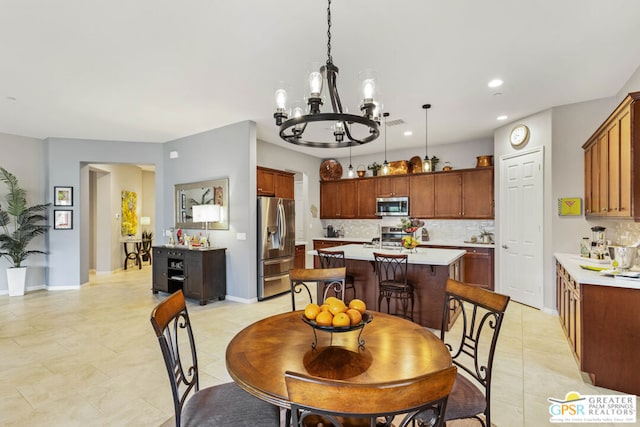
(89, 357)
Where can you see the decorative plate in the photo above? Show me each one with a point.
(366, 318)
(330, 170)
(415, 164)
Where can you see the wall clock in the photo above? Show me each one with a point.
(519, 135)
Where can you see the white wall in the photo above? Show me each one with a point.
(25, 158)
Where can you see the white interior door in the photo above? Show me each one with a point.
(521, 216)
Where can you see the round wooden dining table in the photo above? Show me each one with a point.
(393, 349)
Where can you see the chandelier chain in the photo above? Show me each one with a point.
(329, 58)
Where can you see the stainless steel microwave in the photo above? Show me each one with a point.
(392, 206)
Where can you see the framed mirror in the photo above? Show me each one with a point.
(213, 192)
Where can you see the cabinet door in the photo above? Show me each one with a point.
(448, 195)
(603, 174)
(265, 182)
(392, 187)
(367, 198)
(284, 186)
(478, 267)
(193, 275)
(421, 195)
(300, 256)
(160, 270)
(338, 199)
(625, 163)
(477, 193)
(588, 180)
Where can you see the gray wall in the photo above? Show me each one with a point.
(24, 157)
(230, 152)
(67, 163)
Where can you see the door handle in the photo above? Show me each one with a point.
(505, 247)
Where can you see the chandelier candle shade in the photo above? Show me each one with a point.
(426, 164)
(334, 129)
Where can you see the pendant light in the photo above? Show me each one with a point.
(426, 164)
(385, 165)
(350, 174)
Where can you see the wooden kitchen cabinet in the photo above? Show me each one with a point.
(465, 194)
(201, 274)
(392, 186)
(478, 265)
(301, 256)
(367, 198)
(609, 158)
(338, 199)
(274, 183)
(568, 303)
(422, 195)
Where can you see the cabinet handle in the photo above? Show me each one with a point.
(505, 247)
(604, 209)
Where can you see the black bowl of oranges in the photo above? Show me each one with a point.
(335, 316)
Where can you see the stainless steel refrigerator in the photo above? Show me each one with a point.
(276, 245)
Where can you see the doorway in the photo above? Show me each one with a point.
(521, 226)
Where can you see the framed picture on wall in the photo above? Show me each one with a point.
(62, 196)
(63, 219)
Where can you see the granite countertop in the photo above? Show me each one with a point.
(427, 256)
(572, 263)
(437, 242)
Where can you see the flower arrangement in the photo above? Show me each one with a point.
(374, 167)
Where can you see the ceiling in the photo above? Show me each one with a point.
(157, 70)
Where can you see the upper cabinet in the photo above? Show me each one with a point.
(609, 158)
(392, 186)
(463, 194)
(274, 183)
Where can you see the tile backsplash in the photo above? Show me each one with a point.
(446, 230)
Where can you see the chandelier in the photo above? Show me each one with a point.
(310, 127)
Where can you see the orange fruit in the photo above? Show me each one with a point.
(354, 316)
(337, 306)
(311, 311)
(341, 319)
(325, 307)
(329, 300)
(359, 305)
(324, 318)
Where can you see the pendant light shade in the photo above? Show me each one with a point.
(350, 173)
(426, 163)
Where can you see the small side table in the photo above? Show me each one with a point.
(134, 254)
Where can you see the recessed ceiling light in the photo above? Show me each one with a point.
(495, 83)
(408, 133)
(503, 117)
(11, 98)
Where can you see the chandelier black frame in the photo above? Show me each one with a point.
(292, 129)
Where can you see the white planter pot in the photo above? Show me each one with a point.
(16, 278)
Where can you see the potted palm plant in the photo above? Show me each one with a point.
(19, 225)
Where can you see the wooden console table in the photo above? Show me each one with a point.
(200, 273)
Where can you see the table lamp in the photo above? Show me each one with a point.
(206, 214)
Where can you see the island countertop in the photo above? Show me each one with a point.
(425, 256)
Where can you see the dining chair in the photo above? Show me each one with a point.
(341, 403)
(391, 271)
(333, 259)
(225, 405)
(331, 279)
(472, 345)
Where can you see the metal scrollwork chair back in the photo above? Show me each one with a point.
(220, 405)
(421, 400)
(472, 346)
(333, 259)
(391, 271)
(331, 278)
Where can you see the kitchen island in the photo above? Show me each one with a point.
(599, 314)
(428, 270)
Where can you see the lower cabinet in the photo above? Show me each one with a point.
(478, 265)
(568, 303)
(201, 274)
(301, 256)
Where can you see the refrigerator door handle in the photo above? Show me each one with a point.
(278, 261)
(282, 221)
(277, 277)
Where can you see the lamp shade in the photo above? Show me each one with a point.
(145, 220)
(206, 213)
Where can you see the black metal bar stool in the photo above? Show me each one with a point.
(391, 271)
(335, 259)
